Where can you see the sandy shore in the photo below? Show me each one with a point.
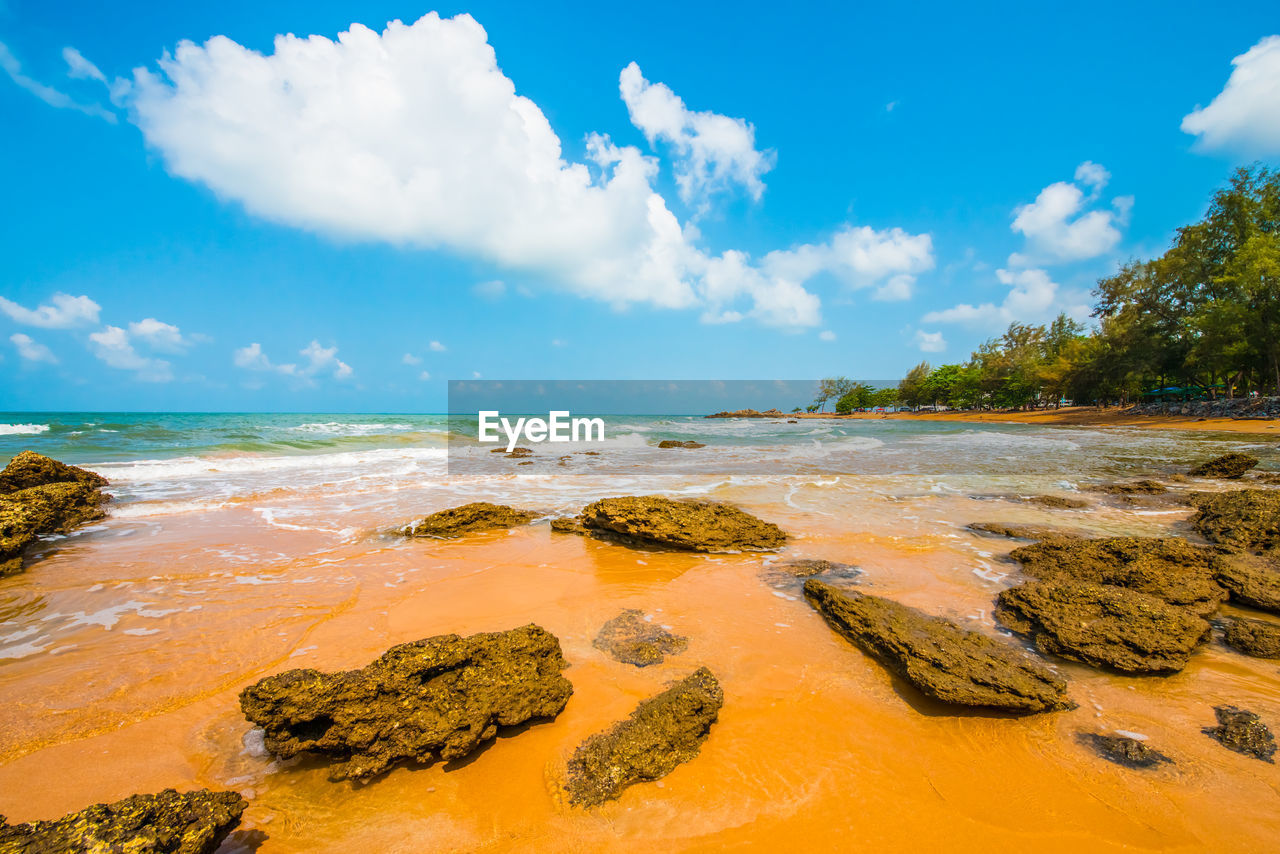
(1081, 416)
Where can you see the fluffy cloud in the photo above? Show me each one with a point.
(930, 342)
(81, 68)
(163, 337)
(320, 361)
(1245, 116)
(63, 312)
(31, 350)
(410, 359)
(437, 347)
(860, 257)
(415, 137)
(713, 153)
(1033, 296)
(51, 96)
(113, 346)
(1059, 229)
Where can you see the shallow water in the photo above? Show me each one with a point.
(122, 652)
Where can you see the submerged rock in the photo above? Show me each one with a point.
(792, 573)
(701, 526)
(1058, 502)
(1171, 569)
(1137, 487)
(632, 639)
(435, 698)
(1123, 750)
(165, 823)
(1242, 731)
(38, 496)
(567, 525)
(663, 732)
(1252, 637)
(477, 516)
(943, 660)
(1242, 518)
(1022, 532)
(1102, 625)
(672, 443)
(1228, 465)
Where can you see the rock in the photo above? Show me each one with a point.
(701, 526)
(1122, 750)
(1252, 580)
(747, 413)
(792, 421)
(1228, 466)
(1242, 518)
(1252, 637)
(435, 698)
(520, 453)
(1242, 731)
(166, 823)
(1058, 502)
(672, 443)
(663, 732)
(632, 639)
(1137, 487)
(1102, 625)
(793, 572)
(478, 516)
(567, 525)
(38, 496)
(1022, 532)
(1171, 569)
(941, 659)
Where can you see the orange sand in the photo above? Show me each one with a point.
(1083, 416)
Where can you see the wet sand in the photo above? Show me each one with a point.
(1078, 416)
(166, 619)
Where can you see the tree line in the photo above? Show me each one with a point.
(1202, 320)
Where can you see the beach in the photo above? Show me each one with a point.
(241, 546)
(1077, 416)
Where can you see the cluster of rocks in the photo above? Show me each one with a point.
(675, 443)
(1261, 408)
(39, 496)
(748, 413)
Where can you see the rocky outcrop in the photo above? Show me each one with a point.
(1171, 569)
(1241, 519)
(791, 574)
(1252, 580)
(672, 443)
(1242, 731)
(748, 413)
(663, 732)
(469, 518)
(1123, 750)
(166, 823)
(1058, 502)
(1252, 637)
(1137, 487)
(38, 496)
(1229, 466)
(941, 659)
(1023, 532)
(700, 526)
(1102, 625)
(436, 698)
(631, 639)
(1242, 408)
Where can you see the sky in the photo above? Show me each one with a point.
(337, 206)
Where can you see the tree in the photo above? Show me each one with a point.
(912, 387)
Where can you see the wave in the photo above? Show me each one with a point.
(23, 429)
(182, 468)
(339, 428)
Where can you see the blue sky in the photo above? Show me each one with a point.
(776, 193)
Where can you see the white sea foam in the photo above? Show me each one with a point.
(23, 429)
(341, 428)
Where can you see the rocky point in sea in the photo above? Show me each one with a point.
(39, 495)
(674, 443)
(941, 659)
(1023, 532)
(631, 638)
(658, 522)
(469, 518)
(1231, 466)
(1257, 638)
(663, 732)
(1242, 731)
(438, 698)
(1245, 523)
(1124, 750)
(1103, 625)
(166, 823)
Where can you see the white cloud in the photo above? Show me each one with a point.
(424, 376)
(1245, 115)
(826, 335)
(437, 347)
(163, 337)
(491, 290)
(712, 153)
(113, 346)
(320, 361)
(1033, 296)
(930, 342)
(64, 312)
(31, 350)
(54, 98)
(1059, 229)
(860, 257)
(415, 137)
(410, 359)
(80, 68)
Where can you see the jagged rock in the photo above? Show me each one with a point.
(1231, 466)
(632, 639)
(520, 452)
(747, 413)
(567, 525)
(165, 823)
(672, 443)
(1022, 532)
(701, 526)
(941, 659)
(477, 516)
(1252, 637)
(1102, 625)
(1242, 731)
(792, 573)
(1137, 487)
(663, 732)
(1058, 502)
(1252, 580)
(435, 698)
(39, 495)
(1242, 518)
(1171, 569)
(1123, 750)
